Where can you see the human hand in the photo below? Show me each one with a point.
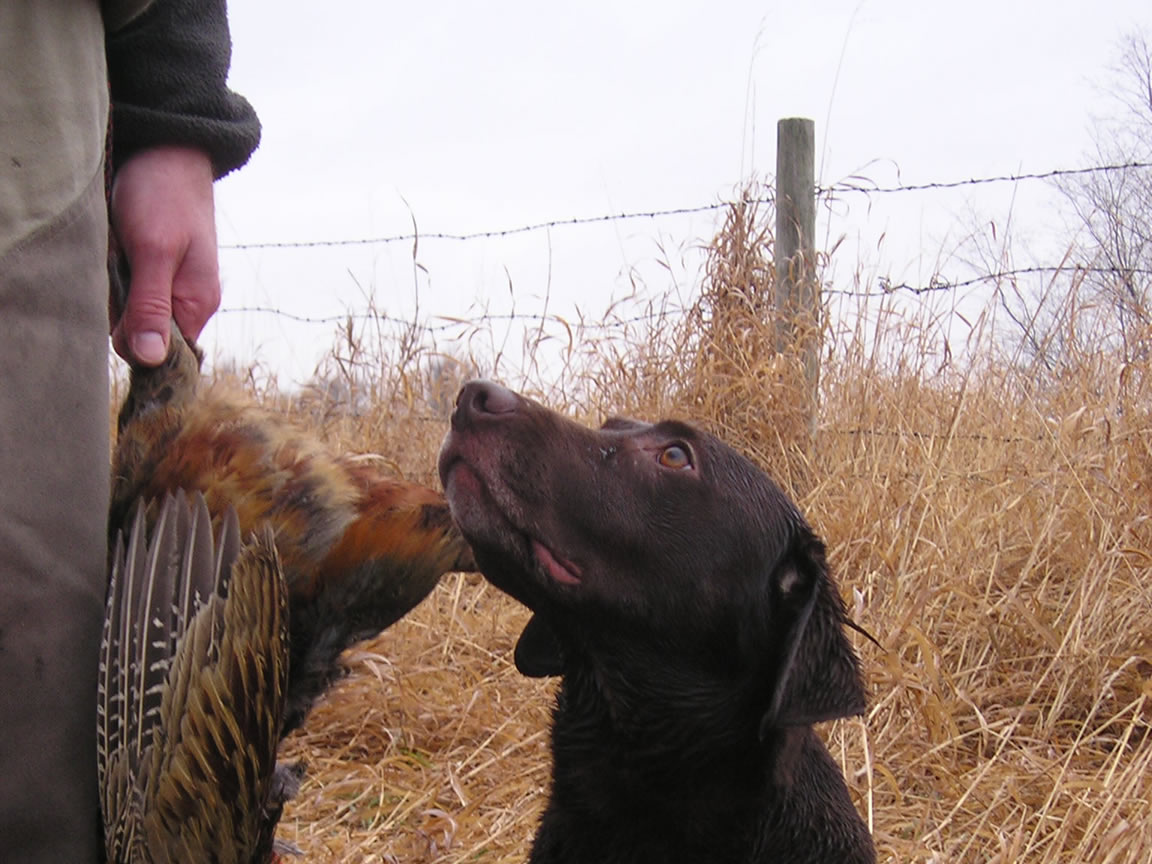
(164, 218)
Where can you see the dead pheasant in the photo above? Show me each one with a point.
(359, 549)
(192, 687)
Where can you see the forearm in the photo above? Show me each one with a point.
(168, 73)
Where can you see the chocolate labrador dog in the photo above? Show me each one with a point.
(688, 607)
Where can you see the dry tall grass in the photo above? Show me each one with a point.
(988, 523)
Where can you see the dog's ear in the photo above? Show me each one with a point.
(539, 653)
(817, 676)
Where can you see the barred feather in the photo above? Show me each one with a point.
(193, 679)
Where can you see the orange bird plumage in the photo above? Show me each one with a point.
(359, 548)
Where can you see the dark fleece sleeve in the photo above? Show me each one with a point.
(168, 72)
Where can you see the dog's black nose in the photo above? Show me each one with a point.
(478, 398)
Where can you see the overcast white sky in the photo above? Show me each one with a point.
(470, 116)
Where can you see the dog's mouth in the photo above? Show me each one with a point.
(489, 516)
(560, 569)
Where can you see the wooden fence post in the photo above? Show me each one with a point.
(797, 299)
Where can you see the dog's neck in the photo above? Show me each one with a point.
(636, 750)
(658, 715)
(645, 771)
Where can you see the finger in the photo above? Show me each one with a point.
(196, 291)
(143, 331)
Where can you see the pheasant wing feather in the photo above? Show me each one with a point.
(193, 676)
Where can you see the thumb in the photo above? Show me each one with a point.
(143, 331)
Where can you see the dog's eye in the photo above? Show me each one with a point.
(676, 457)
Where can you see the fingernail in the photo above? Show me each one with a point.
(148, 347)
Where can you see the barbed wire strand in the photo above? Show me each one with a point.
(1001, 178)
(837, 188)
(941, 283)
(886, 289)
(446, 323)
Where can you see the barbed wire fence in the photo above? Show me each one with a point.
(857, 186)
(620, 323)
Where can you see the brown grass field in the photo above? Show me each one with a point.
(987, 520)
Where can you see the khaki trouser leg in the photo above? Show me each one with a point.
(53, 504)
